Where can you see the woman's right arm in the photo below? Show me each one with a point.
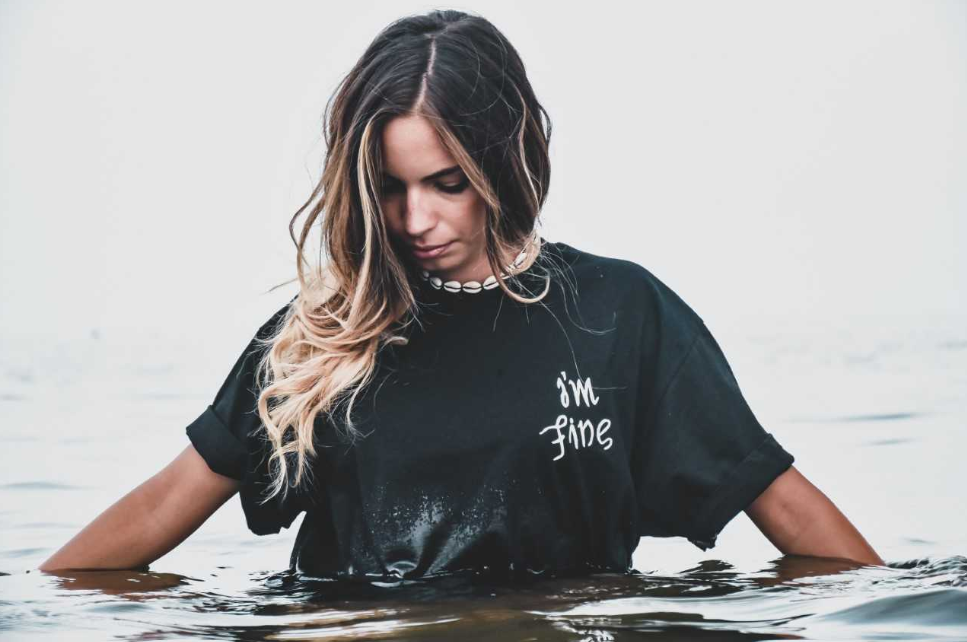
(150, 520)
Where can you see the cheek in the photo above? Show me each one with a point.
(392, 214)
(472, 215)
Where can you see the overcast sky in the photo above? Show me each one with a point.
(767, 160)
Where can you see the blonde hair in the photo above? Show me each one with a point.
(361, 298)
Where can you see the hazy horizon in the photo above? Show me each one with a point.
(771, 162)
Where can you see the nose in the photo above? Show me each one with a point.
(418, 218)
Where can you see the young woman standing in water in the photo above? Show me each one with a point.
(450, 392)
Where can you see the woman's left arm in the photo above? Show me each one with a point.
(800, 520)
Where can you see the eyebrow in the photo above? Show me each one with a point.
(434, 175)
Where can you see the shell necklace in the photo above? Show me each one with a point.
(473, 286)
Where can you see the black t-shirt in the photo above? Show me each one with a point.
(538, 438)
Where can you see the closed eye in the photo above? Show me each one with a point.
(391, 186)
(455, 188)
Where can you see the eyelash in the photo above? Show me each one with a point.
(448, 189)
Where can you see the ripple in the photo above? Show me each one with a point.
(946, 571)
(38, 525)
(891, 416)
(889, 442)
(940, 607)
(39, 485)
(894, 416)
(21, 552)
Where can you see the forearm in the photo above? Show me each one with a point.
(828, 533)
(800, 520)
(119, 538)
(149, 521)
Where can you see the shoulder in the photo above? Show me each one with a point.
(268, 331)
(271, 325)
(636, 290)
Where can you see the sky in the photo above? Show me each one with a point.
(773, 162)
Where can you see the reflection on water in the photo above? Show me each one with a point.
(792, 598)
(875, 418)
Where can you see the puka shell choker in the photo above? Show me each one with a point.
(473, 286)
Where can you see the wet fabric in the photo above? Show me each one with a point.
(511, 437)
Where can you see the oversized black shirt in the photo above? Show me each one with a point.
(511, 437)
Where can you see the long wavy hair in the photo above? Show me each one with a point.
(460, 73)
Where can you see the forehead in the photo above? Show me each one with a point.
(412, 149)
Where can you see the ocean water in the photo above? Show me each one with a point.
(874, 411)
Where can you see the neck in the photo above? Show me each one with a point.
(484, 279)
(511, 263)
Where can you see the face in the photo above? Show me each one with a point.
(428, 201)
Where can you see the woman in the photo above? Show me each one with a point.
(451, 392)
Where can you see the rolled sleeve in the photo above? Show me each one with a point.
(702, 455)
(216, 444)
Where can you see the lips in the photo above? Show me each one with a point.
(432, 251)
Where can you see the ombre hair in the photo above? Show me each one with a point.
(459, 72)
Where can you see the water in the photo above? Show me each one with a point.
(873, 412)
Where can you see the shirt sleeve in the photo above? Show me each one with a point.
(700, 455)
(228, 435)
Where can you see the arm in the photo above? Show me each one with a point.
(150, 520)
(800, 520)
